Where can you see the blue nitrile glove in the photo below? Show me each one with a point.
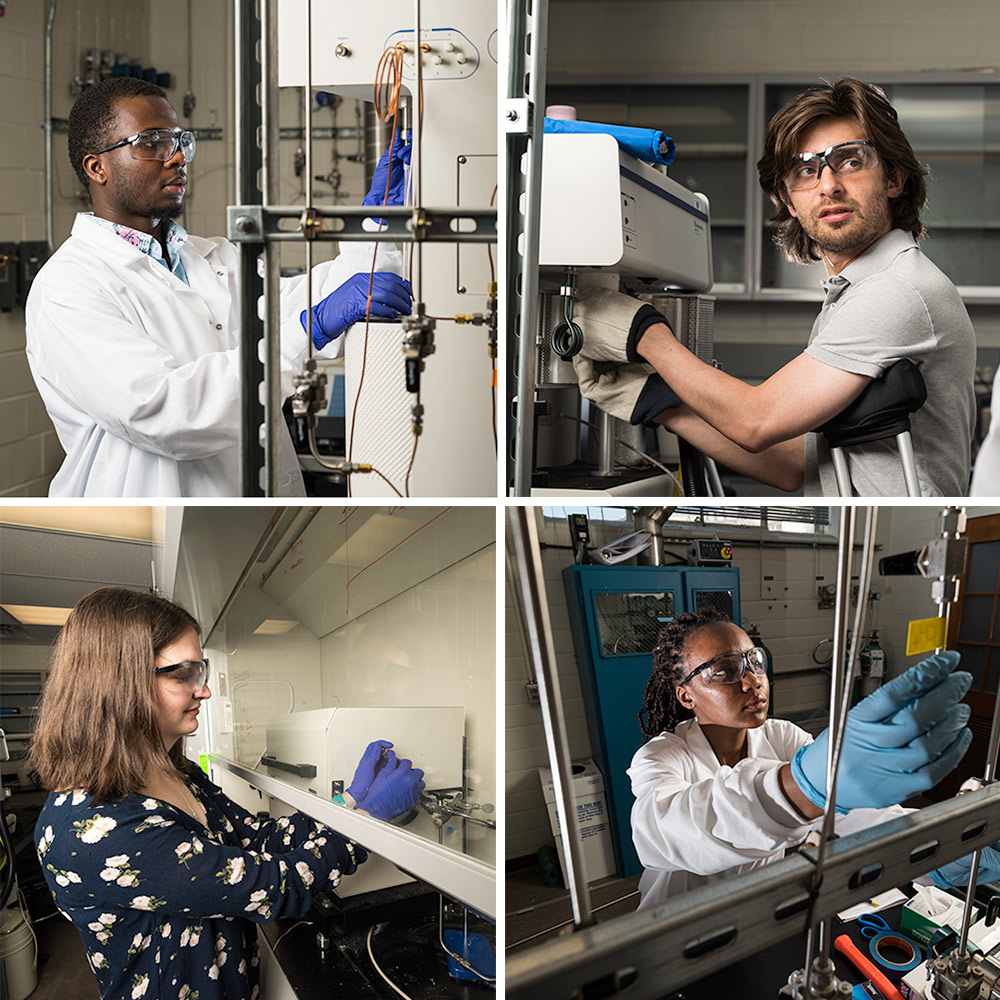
(364, 775)
(400, 158)
(391, 297)
(956, 873)
(395, 790)
(899, 741)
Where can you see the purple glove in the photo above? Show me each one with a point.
(395, 790)
(365, 773)
(391, 297)
(396, 180)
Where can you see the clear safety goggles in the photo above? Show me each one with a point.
(191, 674)
(843, 159)
(729, 668)
(157, 144)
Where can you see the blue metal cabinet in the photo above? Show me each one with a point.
(615, 613)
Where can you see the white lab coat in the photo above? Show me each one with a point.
(695, 821)
(140, 373)
(986, 474)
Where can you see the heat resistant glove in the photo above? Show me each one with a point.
(394, 178)
(899, 741)
(364, 775)
(395, 790)
(957, 872)
(348, 304)
(612, 324)
(635, 393)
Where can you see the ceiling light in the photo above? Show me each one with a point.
(274, 626)
(29, 614)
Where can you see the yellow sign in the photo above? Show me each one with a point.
(925, 634)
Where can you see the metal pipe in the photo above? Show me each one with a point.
(307, 109)
(529, 561)
(650, 519)
(49, 23)
(841, 473)
(533, 84)
(906, 457)
(817, 936)
(416, 157)
(605, 444)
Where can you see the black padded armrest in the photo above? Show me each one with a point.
(882, 410)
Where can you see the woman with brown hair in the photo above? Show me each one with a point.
(162, 874)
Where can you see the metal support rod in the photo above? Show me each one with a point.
(274, 397)
(605, 444)
(49, 23)
(841, 473)
(532, 583)
(306, 218)
(909, 463)
(248, 165)
(527, 77)
(817, 938)
(416, 156)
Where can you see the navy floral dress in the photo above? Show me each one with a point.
(166, 906)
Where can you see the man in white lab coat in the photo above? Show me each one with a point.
(133, 324)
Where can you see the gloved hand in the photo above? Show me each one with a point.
(395, 790)
(956, 873)
(612, 324)
(365, 772)
(346, 305)
(635, 393)
(899, 741)
(395, 177)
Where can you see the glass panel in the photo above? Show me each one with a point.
(976, 619)
(984, 565)
(708, 122)
(363, 624)
(993, 671)
(714, 600)
(955, 131)
(628, 623)
(973, 660)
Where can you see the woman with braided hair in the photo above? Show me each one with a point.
(720, 788)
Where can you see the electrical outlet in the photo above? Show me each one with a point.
(532, 690)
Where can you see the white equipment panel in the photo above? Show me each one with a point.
(456, 455)
(603, 208)
(334, 739)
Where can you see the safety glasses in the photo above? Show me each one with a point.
(729, 668)
(191, 674)
(843, 159)
(157, 144)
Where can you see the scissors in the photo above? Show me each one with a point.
(871, 925)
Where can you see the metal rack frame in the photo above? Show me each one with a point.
(254, 225)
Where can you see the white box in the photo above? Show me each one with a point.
(591, 814)
(601, 207)
(327, 743)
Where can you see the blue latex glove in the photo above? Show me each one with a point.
(364, 775)
(391, 297)
(956, 873)
(899, 741)
(395, 790)
(396, 179)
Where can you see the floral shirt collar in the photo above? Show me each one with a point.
(176, 237)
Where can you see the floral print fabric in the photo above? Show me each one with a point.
(149, 245)
(166, 906)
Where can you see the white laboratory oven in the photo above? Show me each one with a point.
(318, 751)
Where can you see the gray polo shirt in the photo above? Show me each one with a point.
(890, 303)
